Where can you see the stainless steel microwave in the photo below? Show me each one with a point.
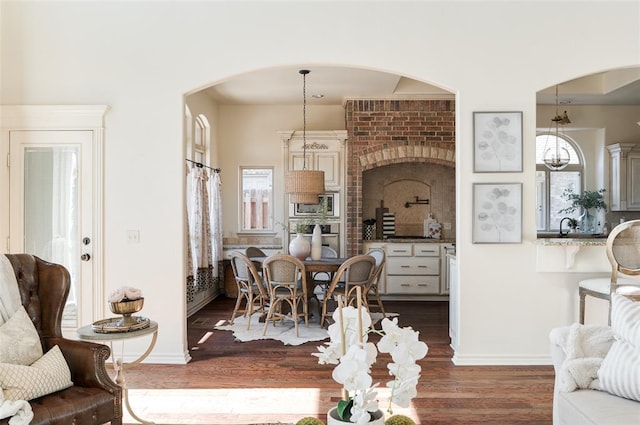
(306, 210)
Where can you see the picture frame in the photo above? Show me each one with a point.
(497, 213)
(497, 142)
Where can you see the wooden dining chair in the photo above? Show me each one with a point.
(286, 280)
(321, 280)
(354, 272)
(372, 291)
(623, 251)
(253, 251)
(251, 288)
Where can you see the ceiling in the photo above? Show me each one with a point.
(283, 86)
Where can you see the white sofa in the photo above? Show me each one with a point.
(592, 363)
(591, 407)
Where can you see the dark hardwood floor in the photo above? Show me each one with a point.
(447, 394)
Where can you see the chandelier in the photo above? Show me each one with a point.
(557, 157)
(304, 186)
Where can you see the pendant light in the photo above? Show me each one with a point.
(304, 186)
(557, 157)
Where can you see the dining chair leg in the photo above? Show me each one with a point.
(237, 306)
(582, 296)
(379, 301)
(249, 310)
(269, 318)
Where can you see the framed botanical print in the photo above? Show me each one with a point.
(497, 212)
(497, 142)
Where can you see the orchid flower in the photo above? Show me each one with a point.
(354, 357)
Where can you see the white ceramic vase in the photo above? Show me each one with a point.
(299, 247)
(333, 419)
(316, 243)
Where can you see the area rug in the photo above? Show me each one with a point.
(285, 333)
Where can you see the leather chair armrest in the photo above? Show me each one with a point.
(87, 362)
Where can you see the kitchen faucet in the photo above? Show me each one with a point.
(562, 235)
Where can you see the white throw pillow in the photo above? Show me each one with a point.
(619, 373)
(47, 375)
(19, 340)
(625, 319)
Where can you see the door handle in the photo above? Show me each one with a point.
(85, 257)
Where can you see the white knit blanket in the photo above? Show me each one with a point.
(9, 294)
(20, 410)
(585, 346)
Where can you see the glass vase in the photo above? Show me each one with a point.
(587, 222)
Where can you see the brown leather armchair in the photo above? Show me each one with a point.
(94, 398)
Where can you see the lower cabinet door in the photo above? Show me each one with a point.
(413, 284)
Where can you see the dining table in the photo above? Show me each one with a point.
(323, 265)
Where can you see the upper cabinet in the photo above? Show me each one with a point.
(625, 176)
(324, 151)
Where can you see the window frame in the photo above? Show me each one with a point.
(541, 167)
(269, 218)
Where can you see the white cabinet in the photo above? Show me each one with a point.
(324, 151)
(329, 162)
(413, 268)
(625, 177)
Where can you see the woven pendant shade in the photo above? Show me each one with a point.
(304, 186)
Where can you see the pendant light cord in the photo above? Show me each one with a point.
(304, 73)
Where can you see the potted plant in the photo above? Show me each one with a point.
(587, 200)
(354, 356)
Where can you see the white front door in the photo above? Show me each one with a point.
(51, 216)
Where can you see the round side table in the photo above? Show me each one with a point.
(87, 333)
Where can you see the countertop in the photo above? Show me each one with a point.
(261, 246)
(571, 241)
(400, 239)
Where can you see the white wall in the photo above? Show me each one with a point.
(141, 58)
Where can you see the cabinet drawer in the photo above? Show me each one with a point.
(399, 250)
(413, 266)
(426, 250)
(413, 285)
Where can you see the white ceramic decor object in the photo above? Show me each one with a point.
(299, 247)
(316, 243)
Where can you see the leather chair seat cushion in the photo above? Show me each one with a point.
(75, 405)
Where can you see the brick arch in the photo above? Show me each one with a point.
(392, 132)
(399, 154)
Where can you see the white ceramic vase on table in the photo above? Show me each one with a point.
(299, 247)
(316, 243)
(333, 419)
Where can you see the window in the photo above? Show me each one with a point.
(256, 202)
(551, 184)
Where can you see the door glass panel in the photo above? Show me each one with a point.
(51, 220)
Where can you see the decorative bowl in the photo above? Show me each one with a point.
(127, 308)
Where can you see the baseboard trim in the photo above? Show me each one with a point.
(483, 360)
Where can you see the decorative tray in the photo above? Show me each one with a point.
(111, 325)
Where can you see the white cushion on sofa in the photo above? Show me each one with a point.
(620, 370)
(48, 374)
(589, 407)
(19, 340)
(625, 319)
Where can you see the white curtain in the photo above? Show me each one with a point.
(215, 219)
(197, 219)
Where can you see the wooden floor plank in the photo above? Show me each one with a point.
(230, 382)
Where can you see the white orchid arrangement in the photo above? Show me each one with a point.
(354, 356)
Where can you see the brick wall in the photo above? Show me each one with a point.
(383, 132)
